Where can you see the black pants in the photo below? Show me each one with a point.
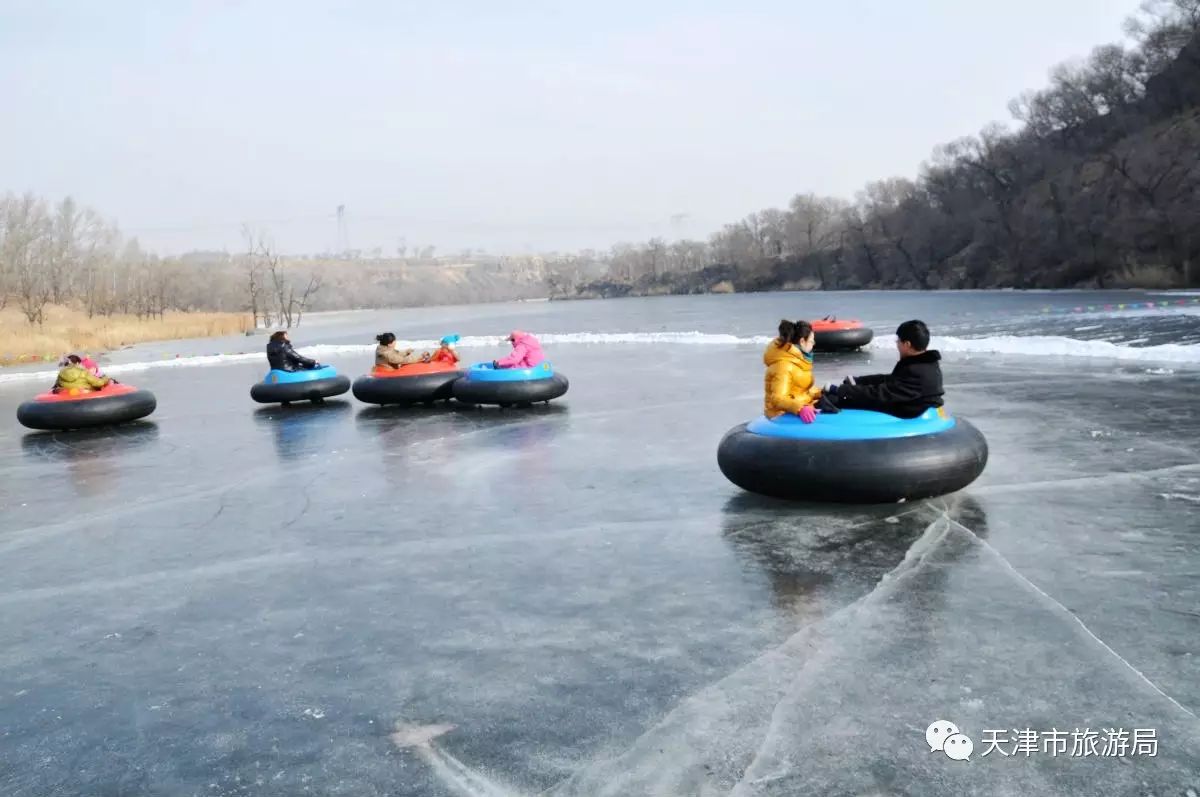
(862, 403)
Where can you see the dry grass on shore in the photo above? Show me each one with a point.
(67, 330)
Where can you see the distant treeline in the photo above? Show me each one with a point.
(1099, 187)
(68, 255)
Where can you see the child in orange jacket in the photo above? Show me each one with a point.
(447, 354)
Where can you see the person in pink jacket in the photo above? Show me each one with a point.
(526, 352)
(88, 364)
(92, 366)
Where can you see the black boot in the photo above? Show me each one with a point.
(826, 404)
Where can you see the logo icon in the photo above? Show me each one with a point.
(959, 747)
(937, 734)
(945, 736)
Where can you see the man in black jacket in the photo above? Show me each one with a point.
(282, 357)
(913, 386)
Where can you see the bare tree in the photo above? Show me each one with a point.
(26, 253)
(1163, 28)
(310, 289)
(268, 283)
(1157, 178)
(757, 233)
(687, 256)
(96, 244)
(255, 276)
(655, 254)
(773, 232)
(278, 281)
(62, 262)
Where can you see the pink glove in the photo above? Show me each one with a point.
(808, 414)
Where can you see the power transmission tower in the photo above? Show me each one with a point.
(343, 235)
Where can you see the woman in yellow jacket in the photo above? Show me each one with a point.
(74, 378)
(789, 379)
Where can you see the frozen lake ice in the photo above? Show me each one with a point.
(236, 600)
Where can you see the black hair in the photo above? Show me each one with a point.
(915, 333)
(75, 358)
(280, 335)
(385, 338)
(793, 331)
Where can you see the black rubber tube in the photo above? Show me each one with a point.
(406, 389)
(843, 339)
(854, 471)
(86, 413)
(315, 390)
(510, 393)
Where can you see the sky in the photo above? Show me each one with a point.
(513, 126)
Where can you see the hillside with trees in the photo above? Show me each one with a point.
(1099, 187)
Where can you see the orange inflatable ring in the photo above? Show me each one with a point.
(418, 383)
(81, 409)
(832, 325)
(413, 369)
(840, 335)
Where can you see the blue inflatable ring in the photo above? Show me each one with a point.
(854, 456)
(484, 372)
(277, 377)
(852, 425)
(284, 387)
(508, 387)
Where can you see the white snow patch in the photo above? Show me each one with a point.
(1195, 499)
(1058, 346)
(1032, 345)
(453, 773)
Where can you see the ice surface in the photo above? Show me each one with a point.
(228, 599)
(953, 632)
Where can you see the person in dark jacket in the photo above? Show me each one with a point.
(282, 357)
(913, 386)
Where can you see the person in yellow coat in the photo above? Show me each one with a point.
(789, 379)
(74, 378)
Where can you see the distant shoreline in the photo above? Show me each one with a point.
(589, 294)
(67, 330)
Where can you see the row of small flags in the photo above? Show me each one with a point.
(1095, 308)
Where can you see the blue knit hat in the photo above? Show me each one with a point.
(449, 339)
